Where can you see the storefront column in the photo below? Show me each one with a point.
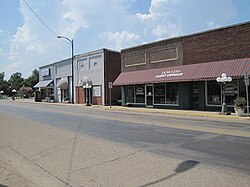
(123, 95)
(184, 96)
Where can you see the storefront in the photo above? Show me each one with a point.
(62, 90)
(93, 71)
(45, 85)
(184, 87)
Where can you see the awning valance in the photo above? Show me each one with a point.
(42, 84)
(194, 72)
(62, 84)
(84, 81)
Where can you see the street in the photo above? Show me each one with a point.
(65, 145)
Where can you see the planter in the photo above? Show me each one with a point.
(239, 111)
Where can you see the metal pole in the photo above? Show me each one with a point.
(87, 97)
(110, 97)
(72, 64)
(247, 100)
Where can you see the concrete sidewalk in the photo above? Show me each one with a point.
(149, 110)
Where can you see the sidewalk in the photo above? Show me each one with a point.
(149, 110)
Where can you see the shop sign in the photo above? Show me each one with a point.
(139, 91)
(96, 91)
(230, 90)
(172, 73)
(110, 84)
(45, 72)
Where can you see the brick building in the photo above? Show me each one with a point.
(181, 72)
(93, 71)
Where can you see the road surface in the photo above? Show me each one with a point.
(60, 145)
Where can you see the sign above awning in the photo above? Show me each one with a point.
(194, 72)
(42, 84)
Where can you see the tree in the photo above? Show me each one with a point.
(26, 91)
(1, 77)
(4, 86)
(33, 79)
(16, 81)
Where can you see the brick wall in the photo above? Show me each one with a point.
(112, 69)
(150, 56)
(96, 100)
(220, 44)
(79, 95)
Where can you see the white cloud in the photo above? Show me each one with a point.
(74, 16)
(1, 55)
(95, 24)
(158, 8)
(170, 30)
(120, 39)
(212, 25)
(158, 21)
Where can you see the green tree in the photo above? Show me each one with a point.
(4, 86)
(2, 77)
(32, 80)
(16, 81)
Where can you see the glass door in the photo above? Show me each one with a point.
(149, 95)
(195, 96)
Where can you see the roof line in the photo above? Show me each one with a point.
(188, 35)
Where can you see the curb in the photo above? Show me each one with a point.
(146, 110)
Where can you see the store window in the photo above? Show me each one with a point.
(140, 93)
(159, 94)
(231, 92)
(242, 89)
(213, 93)
(172, 93)
(130, 94)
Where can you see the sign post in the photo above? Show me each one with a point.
(247, 84)
(110, 85)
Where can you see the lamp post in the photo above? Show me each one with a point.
(1, 93)
(224, 79)
(14, 93)
(87, 86)
(72, 62)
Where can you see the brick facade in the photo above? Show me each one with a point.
(98, 67)
(155, 55)
(219, 44)
(79, 95)
(112, 68)
(226, 43)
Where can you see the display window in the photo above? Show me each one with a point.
(130, 94)
(140, 93)
(172, 93)
(159, 94)
(213, 93)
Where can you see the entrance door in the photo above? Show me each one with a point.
(195, 97)
(149, 95)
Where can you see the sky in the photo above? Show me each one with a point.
(26, 44)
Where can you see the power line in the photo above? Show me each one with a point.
(40, 19)
(51, 31)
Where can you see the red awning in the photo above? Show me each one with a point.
(194, 72)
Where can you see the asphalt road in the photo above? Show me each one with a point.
(141, 130)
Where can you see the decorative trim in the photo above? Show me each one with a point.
(138, 64)
(166, 60)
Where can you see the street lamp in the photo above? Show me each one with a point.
(224, 79)
(14, 93)
(87, 86)
(72, 64)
